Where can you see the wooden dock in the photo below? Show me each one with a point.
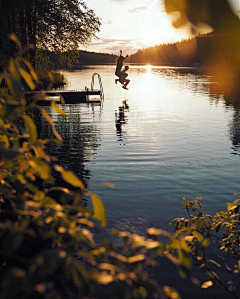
(69, 96)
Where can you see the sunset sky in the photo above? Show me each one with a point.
(134, 24)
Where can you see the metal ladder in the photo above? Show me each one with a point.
(100, 85)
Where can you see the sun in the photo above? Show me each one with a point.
(154, 34)
(149, 36)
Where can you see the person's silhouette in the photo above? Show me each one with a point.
(121, 74)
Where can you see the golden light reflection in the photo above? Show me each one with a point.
(149, 67)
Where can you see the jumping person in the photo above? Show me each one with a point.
(121, 74)
(122, 78)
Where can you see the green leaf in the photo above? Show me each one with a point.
(98, 209)
(70, 177)
(206, 243)
(4, 139)
(198, 236)
(28, 79)
(14, 69)
(31, 70)
(31, 128)
(15, 86)
(57, 108)
(41, 167)
(185, 259)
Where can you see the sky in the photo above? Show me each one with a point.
(134, 24)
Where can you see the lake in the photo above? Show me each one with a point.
(179, 139)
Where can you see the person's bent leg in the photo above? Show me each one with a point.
(126, 83)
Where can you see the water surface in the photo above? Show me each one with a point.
(179, 139)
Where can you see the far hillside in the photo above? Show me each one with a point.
(82, 58)
(195, 51)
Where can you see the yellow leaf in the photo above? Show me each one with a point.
(41, 167)
(4, 139)
(136, 258)
(72, 179)
(27, 78)
(31, 128)
(198, 236)
(99, 209)
(14, 86)
(14, 69)
(69, 177)
(207, 284)
(206, 243)
(105, 279)
(57, 108)
(31, 70)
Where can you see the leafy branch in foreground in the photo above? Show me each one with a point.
(47, 247)
(222, 232)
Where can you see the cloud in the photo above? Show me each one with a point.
(139, 8)
(126, 50)
(102, 41)
(108, 22)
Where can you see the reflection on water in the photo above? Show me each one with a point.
(180, 138)
(80, 133)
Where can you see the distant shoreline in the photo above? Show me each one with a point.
(79, 66)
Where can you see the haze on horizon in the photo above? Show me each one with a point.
(131, 25)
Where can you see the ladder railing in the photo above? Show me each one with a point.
(100, 85)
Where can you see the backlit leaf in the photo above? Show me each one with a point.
(14, 69)
(31, 128)
(31, 70)
(57, 108)
(207, 284)
(206, 243)
(4, 139)
(136, 258)
(15, 86)
(70, 177)
(198, 236)
(105, 278)
(98, 209)
(27, 78)
(41, 167)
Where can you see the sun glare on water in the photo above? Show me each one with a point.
(148, 67)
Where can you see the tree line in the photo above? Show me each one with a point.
(45, 24)
(81, 58)
(193, 51)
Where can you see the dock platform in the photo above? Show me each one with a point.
(70, 96)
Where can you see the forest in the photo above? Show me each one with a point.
(81, 58)
(195, 51)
